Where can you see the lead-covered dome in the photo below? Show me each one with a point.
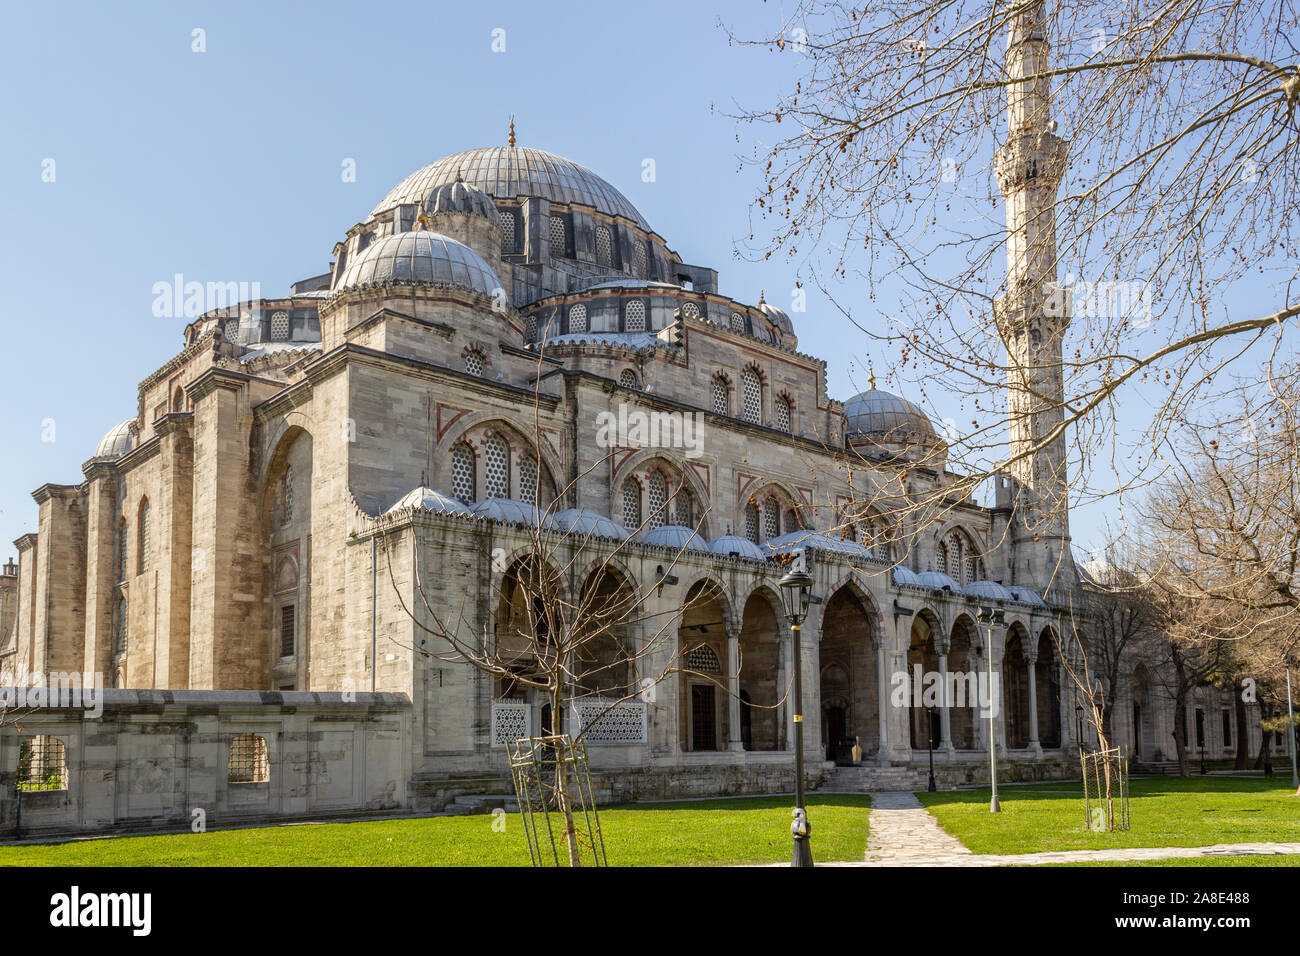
(884, 416)
(777, 317)
(117, 442)
(508, 172)
(459, 196)
(420, 256)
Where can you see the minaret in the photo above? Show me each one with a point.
(1034, 313)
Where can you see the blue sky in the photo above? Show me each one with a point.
(225, 165)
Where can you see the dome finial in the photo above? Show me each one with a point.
(512, 129)
(871, 376)
(761, 300)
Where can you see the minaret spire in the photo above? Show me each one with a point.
(1034, 312)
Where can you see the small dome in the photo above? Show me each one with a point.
(906, 578)
(461, 197)
(675, 536)
(506, 510)
(794, 540)
(777, 317)
(1026, 596)
(117, 442)
(587, 523)
(426, 499)
(420, 256)
(990, 590)
(737, 547)
(883, 415)
(937, 580)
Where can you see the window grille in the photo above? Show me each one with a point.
(530, 327)
(249, 762)
(286, 496)
(703, 660)
(685, 508)
(496, 469)
(279, 326)
(604, 246)
(634, 316)
(119, 627)
(737, 322)
(506, 218)
(642, 261)
(462, 472)
(143, 532)
(753, 396)
(231, 331)
(42, 764)
(557, 236)
(783, 414)
(627, 378)
(578, 318)
(121, 550)
(657, 499)
(690, 310)
(528, 480)
(631, 504)
(771, 518)
(751, 522)
(721, 396)
(287, 624)
(792, 522)
(474, 362)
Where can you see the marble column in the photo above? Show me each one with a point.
(1031, 659)
(734, 741)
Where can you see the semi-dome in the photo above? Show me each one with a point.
(426, 499)
(937, 580)
(508, 172)
(117, 442)
(735, 546)
(420, 256)
(675, 536)
(459, 196)
(506, 510)
(883, 415)
(989, 590)
(587, 523)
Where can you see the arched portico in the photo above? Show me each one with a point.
(849, 681)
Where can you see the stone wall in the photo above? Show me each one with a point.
(155, 757)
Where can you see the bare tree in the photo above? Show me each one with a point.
(1178, 167)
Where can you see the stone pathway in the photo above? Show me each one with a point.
(904, 833)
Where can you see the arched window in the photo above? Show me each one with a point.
(462, 472)
(631, 504)
(634, 316)
(279, 326)
(751, 522)
(657, 499)
(703, 660)
(506, 218)
(121, 549)
(530, 327)
(249, 762)
(690, 310)
(178, 400)
(578, 318)
(557, 237)
(721, 396)
(119, 627)
(496, 468)
(528, 480)
(771, 518)
(737, 322)
(752, 390)
(685, 505)
(474, 362)
(604, 247)
(230, 331)
(142, 537)
(783, 416)
(958, 558)
(627, 378)
(642, 261)
(792, 522)
(286, 496)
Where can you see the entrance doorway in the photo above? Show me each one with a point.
(704, 723)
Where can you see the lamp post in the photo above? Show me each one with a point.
(1078, 720)
(929, 733)
(989, 617)
(1290, 724)
(796, 591)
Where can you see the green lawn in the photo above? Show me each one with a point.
(703, 833)
(1164, 811)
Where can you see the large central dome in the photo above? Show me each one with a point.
(506, 172)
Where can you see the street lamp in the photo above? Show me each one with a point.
(796, 593)
(989, 617)
(1290, 724)
(1078, 720)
